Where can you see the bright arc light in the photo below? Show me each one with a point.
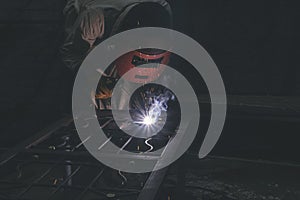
(148, 120)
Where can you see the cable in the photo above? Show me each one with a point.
(123, 177)
(149, 145)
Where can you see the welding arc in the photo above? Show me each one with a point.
(149, 145)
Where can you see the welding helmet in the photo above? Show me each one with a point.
(147, 14)
(136, 59)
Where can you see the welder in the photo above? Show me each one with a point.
(89, 22)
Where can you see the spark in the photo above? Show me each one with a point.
(149, 111)
(155, 105)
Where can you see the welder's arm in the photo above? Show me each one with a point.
(74, 51)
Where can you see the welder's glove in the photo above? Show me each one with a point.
(106, 83)
(92, 25)
(105, 88)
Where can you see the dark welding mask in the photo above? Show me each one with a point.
(147, 14)
(137, 59)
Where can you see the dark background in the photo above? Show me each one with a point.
(254, 44)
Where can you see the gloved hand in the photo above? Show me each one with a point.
(105, 87)
(92, 25)
(106, 83)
